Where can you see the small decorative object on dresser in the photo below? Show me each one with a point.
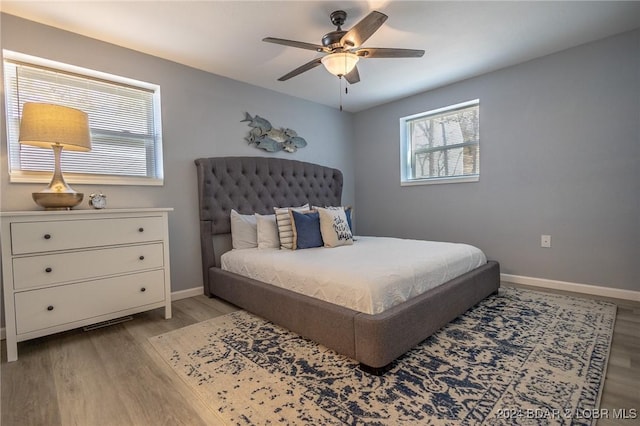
(68, 269)
(98, 201)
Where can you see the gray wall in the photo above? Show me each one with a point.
(560, 155)
(201, 115)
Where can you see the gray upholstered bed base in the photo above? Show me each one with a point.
(257, 184)
(373, 340)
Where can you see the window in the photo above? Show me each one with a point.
(441, 146)
(124, 116)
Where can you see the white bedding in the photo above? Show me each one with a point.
(370, 276)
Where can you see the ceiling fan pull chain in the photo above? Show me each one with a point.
(340, 90)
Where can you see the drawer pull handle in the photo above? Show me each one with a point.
(143, 289)
(141, 258)
(47, 236)
(50, 308)
(48, 270)
(140, 229)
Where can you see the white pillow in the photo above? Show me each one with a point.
(244, 232)
(285, 230)
(267, 231)
(334, 227)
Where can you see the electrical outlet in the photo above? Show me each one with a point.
(545, 241)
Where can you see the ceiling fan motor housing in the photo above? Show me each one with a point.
(332, 40)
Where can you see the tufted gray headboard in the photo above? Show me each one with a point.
(256, 185)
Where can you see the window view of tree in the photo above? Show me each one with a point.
(445, 144)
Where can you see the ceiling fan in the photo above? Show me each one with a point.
(344, 49)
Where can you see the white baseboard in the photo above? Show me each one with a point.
(175, 295)
(615, 293)
(185, 294)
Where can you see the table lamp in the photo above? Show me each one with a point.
(58, 127)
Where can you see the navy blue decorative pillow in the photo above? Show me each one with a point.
(347, 212)
(306, 230)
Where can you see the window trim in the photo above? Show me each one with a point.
(405, 151)
(20, 176)
(24, 176)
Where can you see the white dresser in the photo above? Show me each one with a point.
(68, 269)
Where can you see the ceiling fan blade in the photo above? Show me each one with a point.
(379, 52)
(300, 70)
(353, 76)
(293, 43)
(363, 30)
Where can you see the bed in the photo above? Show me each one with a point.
(257, 185)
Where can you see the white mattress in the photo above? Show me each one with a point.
(370, 276)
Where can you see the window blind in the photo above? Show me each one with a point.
(124, 122)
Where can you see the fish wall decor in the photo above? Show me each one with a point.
(264, 136)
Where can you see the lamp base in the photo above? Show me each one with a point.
(58, 195)
(57, 200)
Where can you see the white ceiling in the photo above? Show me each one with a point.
(461, 39)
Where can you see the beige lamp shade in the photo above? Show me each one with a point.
(43, 125)
(341, 63)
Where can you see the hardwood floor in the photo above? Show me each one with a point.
(112, 375)
(108, 376)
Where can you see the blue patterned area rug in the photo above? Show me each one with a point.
(519, 357)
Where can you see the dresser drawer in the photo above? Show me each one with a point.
(50, 307)
(49, 269)
(45, 236)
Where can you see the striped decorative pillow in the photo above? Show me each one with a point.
(285, 229)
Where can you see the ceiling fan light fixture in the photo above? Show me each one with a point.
(341, 63)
